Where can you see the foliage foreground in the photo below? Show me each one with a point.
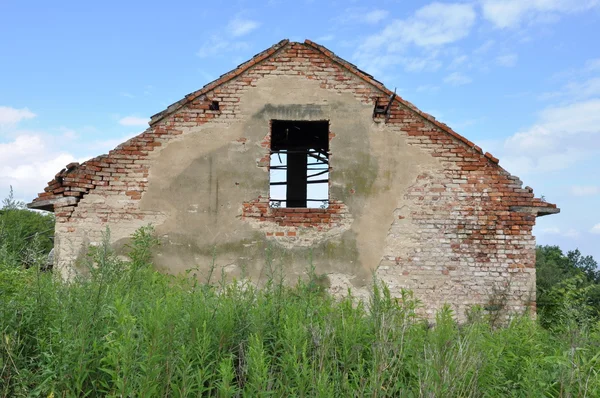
(126, 331)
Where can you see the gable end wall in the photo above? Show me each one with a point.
(451, 238)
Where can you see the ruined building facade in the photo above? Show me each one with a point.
(298, 158)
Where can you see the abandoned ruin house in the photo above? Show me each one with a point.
(297, 157)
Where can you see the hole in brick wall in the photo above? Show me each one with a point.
(214, 106)
(299, 166)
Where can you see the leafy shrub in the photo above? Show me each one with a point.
(24, 234)
(568, 287)
(126, 330)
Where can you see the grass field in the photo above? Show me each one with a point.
(127, 331)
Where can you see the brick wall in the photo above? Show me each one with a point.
(467, 244)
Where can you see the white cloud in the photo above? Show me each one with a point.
(595, 229)
(429, 28)
(28, 162)
(551, 230)
(580, 117)
(375, 16)
(224, 45)
(31, 159)
(485, 47)
(240, 27)
(570, 233)
(219, 46)
(420, 64)
(507, 60)
(427, 88)
(585, 190)
(562, 137)
(133, 121)
(212, 47)
(592, 65)
(511, 13)
(433, 25)
(103, 146)
(537, 139)
(458, 61)
(438, 24)
(465, 123)
(587, 89)
(457, 79)
(10, 116)
(325, 38)
(361, 15)
(575, 90)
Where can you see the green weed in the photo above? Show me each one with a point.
(124, 330)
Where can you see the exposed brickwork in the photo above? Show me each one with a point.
(320, 219)
(470, 240)
(124, 170)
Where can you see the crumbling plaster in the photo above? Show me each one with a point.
(200, 180)
(411, 201)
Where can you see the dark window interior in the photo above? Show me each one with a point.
(299, 164)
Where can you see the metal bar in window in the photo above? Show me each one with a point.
(284, 167)
(308, 182)
(308, 200)
(284, 151)
(318, 174)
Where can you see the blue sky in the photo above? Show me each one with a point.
(520, 78)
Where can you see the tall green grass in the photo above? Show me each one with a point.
(127, 331)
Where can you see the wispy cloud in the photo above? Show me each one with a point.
(569, 233)
(427, 88)
(592, 65)
(133, 121)
(225, 45)
(10, 116)
(458, 61)
(30, 160)
(575, 90)
(585, 190)
(108, 144)
(218, 46)
(375, 16)
(563, 136)
(428, 29)
(507, 60)
(325, 38)
(595, 229)
(457, 79)
(240, 27)
(465, 123)
(433, 25)
(485, 47)
(361, 15)
(512, 13)
(419, 64)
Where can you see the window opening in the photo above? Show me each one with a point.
(299, 166)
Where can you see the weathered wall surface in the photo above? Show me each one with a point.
(409, 202)
(212, 182)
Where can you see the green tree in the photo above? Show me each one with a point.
(568, 282)
(23, 230)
